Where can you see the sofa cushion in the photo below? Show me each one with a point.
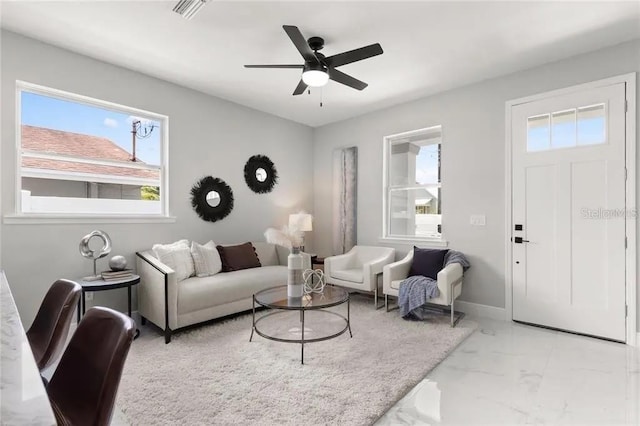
(195, 293)
(352, 275)
(176, 256)
(267, 253)
(427, 262)
(235, 258)
(206, 259)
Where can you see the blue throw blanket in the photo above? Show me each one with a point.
(416, 291)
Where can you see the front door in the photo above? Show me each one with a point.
(568, 212)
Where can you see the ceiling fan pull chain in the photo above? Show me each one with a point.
(321, 91)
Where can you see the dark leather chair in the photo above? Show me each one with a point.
(50, 329)
(83, 388)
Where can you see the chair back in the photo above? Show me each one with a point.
(83, 388)
(366, 254)
(50, 329)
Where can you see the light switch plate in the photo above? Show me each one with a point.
(478, 220)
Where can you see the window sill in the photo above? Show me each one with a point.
(37, 219)
(429, 242)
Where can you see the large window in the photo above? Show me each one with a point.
(79, 156)
(412, 207)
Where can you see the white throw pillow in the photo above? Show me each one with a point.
(206, 259)
(176, 256)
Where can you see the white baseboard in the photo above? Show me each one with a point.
(484, 311)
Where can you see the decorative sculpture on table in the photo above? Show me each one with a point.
(118, 263)
(94, 255)
(313, 281)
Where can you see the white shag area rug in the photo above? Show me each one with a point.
(213, 375)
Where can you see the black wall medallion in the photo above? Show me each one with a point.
(212, 198)
(260, 174)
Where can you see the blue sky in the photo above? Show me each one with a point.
(52, 113)
(427, 164)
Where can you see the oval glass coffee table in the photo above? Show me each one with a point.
(284, 324)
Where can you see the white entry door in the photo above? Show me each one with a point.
(568, 212)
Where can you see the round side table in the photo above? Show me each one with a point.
(102, 285)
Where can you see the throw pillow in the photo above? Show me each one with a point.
(206, 259)
(427, 262)
(176, 256)
(235, 258)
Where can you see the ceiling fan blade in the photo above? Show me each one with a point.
(301, 44)
(302, 86)
(275, 66)
(354, 55)
(346, 79)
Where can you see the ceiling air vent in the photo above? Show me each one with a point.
(188, 8)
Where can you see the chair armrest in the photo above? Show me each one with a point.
(396, 271)
(157, 291)
(375, 266)
(449, 276)
(338, 263)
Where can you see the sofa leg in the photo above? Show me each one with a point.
(386, 302)
(143, 320)
(167, 335)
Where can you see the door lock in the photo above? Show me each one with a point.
(519, 240)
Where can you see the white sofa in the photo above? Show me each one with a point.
(173, 305)
(449, 282)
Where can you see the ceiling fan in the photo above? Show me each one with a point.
(318, 69)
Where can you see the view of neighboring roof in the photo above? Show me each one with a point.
(52, 141)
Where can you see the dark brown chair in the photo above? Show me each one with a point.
(50, 329)
(83, 388)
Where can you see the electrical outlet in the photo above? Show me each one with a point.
(88, 295)
(478, 220)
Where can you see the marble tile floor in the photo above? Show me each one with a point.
(508, 373)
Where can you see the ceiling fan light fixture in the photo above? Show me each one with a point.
(188, 8)
(315, 75)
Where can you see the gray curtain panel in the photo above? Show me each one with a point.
(345, 200)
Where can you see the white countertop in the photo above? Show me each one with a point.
(23, 398)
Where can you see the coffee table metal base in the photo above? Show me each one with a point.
(302, 340)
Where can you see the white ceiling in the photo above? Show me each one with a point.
(429, 46)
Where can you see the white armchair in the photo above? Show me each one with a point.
(449, 282)
(359, 268)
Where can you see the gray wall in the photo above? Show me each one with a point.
(473, 160)
(207, 136)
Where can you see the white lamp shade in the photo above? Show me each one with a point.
(301, 222)
(315, 78)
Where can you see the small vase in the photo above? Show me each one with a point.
(295, 282)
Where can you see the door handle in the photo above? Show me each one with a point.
(519, 240)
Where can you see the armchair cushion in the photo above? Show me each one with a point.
(427, 262)
(352, 275)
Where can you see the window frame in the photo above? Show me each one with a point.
(18, 216)
(387, 142)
